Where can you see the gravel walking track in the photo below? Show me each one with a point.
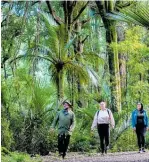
(110, 157)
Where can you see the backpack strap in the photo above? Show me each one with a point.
(107, 111)
(97, 114)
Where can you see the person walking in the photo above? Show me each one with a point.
(66, 124)
(102, 119)
(140, 125)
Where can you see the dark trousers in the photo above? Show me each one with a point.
(140, 131)
(103, 131)
(63, 142)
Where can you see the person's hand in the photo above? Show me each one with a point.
(134, 129)
(147, 128)
(71, 130)
(113, 126)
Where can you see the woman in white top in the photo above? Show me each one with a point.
(102, 119)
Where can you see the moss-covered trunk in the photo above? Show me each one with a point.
(111, 38)
(60, 87)
(122, 65)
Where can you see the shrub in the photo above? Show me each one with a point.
(126, 142)
(19, 157)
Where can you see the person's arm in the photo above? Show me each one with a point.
(112, 120)
(133, 121)
(147, 124)
(55, 121)
(73, 124)
(94, 124)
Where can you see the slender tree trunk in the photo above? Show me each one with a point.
(78, 48)
(122, 57)
(111, 37)
(29, 129)
(5, 73)
(60, 87)
(127, 92)
(72, 90)
(114, 69)
(148, 76)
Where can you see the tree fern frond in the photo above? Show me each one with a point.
(62, 35)
(52, 42)
(140, 16)
(87, 112)
(93, 57)
(93, 76)
(79, 72)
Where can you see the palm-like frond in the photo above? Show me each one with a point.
(62, 35)
(93, 76)
(57, 40)
(39, 101)
(87, 112)
(52, 41)
(139, 16)
(92, 57)
(123, 121)
(54, 74)
(87, 59)
(79, 71)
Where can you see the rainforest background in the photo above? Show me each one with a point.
(82, 51)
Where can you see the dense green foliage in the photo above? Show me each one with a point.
(17, 156)
(50, 53)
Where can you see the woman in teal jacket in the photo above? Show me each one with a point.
(140, 125)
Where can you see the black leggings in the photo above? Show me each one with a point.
(63, 142)
(140, 131)
(103, 131)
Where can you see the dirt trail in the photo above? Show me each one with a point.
(110, 157)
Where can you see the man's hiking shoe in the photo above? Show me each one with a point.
(106, 148)
(102, 152)
(143, 150)
(63, 155)
(60, 154)
(140, 151)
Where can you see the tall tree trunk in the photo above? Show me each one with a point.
(72, 90)
(114, 68)
(122, 64)
(78, 49)
(60, 87)
(68, 7)
(111, 37)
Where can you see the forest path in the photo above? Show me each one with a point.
(110, 157)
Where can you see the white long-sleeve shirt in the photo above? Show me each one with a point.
(103, 118)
